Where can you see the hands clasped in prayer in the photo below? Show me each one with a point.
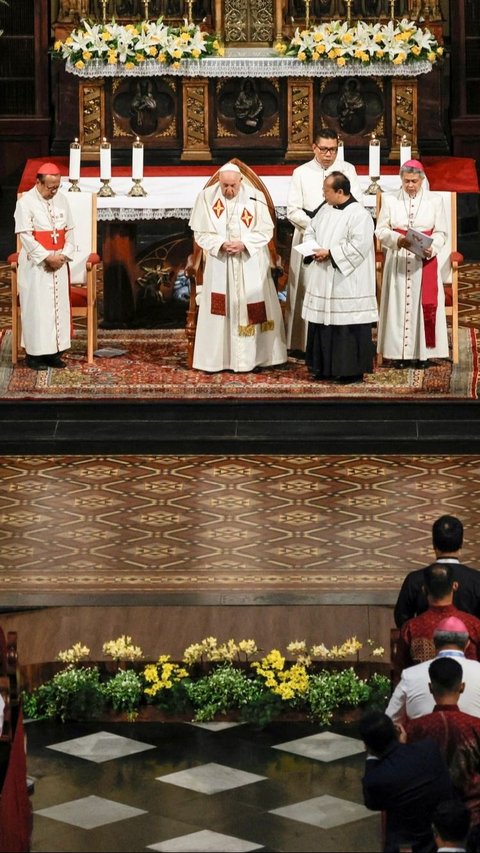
(233, 247)
(54, 262)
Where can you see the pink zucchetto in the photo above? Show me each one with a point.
(451, 625)
(413, 164)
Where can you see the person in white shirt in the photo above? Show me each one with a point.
(412, 698)
(305, 196)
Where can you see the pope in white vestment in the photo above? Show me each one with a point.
(340, 303)
(412, 325)
(305, 194)
(240, 324)
(45, 227)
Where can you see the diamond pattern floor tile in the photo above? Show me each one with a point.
(325, 746)
(205, 842)
(325, 811)
(211, 778)
(101, 746)
(90, 812)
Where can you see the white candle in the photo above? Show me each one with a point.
(137, 160)
(340, 153)
(374, 159)
(74, 164)
(105, 160)
(405, 151)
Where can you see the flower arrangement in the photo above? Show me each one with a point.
(228, 682)
(134, 44)
(396, 42)
(122, 649)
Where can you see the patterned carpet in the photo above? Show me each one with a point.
(226, 525)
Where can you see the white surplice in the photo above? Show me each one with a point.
(44, 295)
(401, 331)
(231, 342)
(306, 193)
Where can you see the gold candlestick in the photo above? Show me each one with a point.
(349, 13)
(307, 14)
(145, 3)
(104, 11)
(392, 10)
(189, 11)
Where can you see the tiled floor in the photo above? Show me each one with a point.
(182, 787)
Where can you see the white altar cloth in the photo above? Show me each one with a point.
(170, 197)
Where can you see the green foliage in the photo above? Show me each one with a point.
(330, 690)
(124, 691)
(72, 694)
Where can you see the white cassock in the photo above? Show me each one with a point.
(344, 295)
(44, 295)
(401, 329)
(306, 193)
(240, 323)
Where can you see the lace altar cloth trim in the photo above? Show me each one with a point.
(253, 66)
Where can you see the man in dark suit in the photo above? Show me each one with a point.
(447, 538)
(404, 780)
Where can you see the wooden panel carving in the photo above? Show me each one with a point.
(246, 109)
(353, 106)
(92, 116)
(195, 119)
(144, 106)
(299, 118)
(404, 114)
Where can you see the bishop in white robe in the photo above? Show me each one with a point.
(44, 223)
(412, 325)
(240, 324)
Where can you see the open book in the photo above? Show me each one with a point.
(307, 248)
(418, 242)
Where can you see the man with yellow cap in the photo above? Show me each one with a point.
(44, 223)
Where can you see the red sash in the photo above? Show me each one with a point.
(45, 238)
(429, 293)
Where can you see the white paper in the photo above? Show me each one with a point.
(405, 153)
(418, 242)
(374, 161)
(137, 162)
(105, 163)
(307, 248)
(74, 164)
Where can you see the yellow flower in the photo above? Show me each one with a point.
(130, 28)
(139, 57)
(341, 60)
(79, 64)
(317, 36)
(221, 51)
(305, 33)
(129, 65)
(86, 55)
(332, 54)
(57, 45)
(379, 54)
(431, 56)
(302, 56)
(399, 59)
(321, 48)
(177, 54)
(440, 51)
(106, 36)
(416, 49)
(196, 52)
(184, 37)
(347, 37)
(153, 51)
(69, 40)
(378, 37)
(215, 44)
(175, 64)
(315, 55)
(161, 57)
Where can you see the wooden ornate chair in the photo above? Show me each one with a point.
(83, 287)
(449, 260)
(195, 263)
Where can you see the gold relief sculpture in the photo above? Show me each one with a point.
(92, 114)
(262, 24)
(404, 115)
(222, 131)
(236, 18)
(300, 124)
(195, 120)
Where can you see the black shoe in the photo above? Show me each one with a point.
(423, 364)
(349, 380)
(55, 361)
(296, 353)
(36, 362)
(403, 363)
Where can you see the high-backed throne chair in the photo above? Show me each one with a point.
(196, 260)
